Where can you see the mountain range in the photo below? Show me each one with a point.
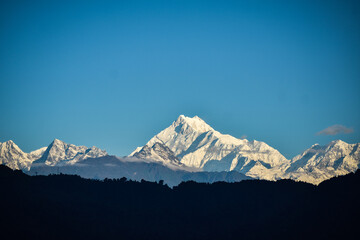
(189, 149)
(195, 144)
(58, 152)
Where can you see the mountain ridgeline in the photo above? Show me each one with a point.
(189, 149)
(195, 144)
(69, 207)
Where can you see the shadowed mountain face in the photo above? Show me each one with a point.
(157, 152)
(69, 207)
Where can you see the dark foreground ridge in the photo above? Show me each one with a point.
(70, 207)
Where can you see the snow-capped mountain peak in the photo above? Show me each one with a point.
(337, 143)
(10, 145)
(319, 163)
(195, 123)
(189, 142)
(12, 156)
(59, 151)
(198, 145)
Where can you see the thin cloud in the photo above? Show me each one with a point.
(335, 130)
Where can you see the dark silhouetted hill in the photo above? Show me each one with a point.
(70, 207)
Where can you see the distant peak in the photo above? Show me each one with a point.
(180, 118)
(337, 142)
(185, 118)
(56, 142)
(194, 122)
(10, 142)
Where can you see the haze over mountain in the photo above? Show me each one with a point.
(113, 167)
(189, 149)
(94, 163)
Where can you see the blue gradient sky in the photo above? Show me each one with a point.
(115, 73)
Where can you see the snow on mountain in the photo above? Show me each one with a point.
(12, 156)
(319, 163)
(135, 151)
(59, 151)
(196, 144)
(191, 145)
(34, 155)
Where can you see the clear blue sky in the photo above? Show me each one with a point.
(114, 73)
